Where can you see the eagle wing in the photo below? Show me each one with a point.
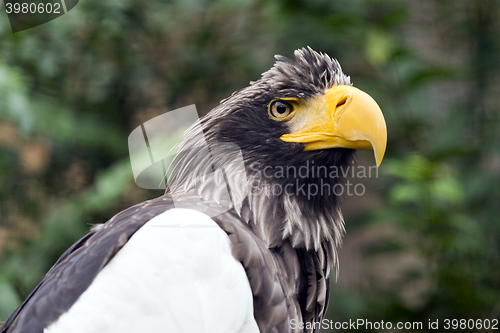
(150, 268)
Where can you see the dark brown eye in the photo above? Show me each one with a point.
(280, 109)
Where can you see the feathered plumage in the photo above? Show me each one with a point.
(286, 242)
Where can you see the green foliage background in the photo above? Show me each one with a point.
(423, 243)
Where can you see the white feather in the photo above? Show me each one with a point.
(176, 274)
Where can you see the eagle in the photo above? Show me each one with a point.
(244, 239)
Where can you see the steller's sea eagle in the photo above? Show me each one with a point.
(230, 247)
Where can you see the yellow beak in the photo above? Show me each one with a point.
(344, 117)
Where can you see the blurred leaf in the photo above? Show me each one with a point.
(447, 189)
(378, 47)
(9, 300)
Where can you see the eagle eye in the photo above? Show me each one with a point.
(280, 109)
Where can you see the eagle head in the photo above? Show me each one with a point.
(289, 128)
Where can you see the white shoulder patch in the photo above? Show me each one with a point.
(176, 274)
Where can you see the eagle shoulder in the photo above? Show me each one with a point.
(75, 270)
(176, 273)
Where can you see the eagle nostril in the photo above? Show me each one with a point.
(342, 102)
